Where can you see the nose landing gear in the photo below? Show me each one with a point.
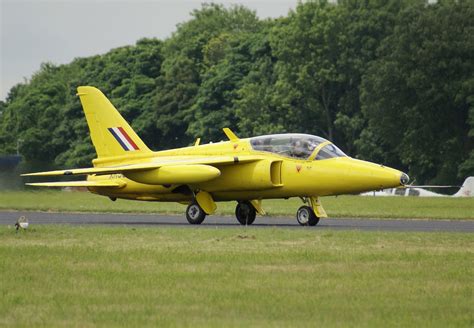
(306, 217)
(310, 215)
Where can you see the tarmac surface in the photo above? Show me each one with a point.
(9, 218)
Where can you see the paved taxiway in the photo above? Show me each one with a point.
(227, 221)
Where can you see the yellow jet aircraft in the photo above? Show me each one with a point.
(245, 170)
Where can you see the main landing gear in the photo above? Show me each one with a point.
(245, 213)
(195, 214)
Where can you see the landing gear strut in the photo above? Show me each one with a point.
(195, 214)
(306, 217)
(245, 213)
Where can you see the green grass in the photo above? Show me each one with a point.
(343, 206)
(122, 276)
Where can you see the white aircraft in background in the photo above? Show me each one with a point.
(467, 190)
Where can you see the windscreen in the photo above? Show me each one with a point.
(329, 151)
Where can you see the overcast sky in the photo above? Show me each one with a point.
(57, 31)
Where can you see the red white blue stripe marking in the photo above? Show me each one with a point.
(123, 139)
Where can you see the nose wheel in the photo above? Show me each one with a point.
(245, 213)
(195, 214)
(306, 217)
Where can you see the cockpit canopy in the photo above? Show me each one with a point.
(299, 146)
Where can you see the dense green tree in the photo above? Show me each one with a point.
(177, 86)
(219, 62)
(416, 95)
(257, 110)
(214, 106)
(45, 117)
(317, 57)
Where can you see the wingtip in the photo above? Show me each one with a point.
(36, 174)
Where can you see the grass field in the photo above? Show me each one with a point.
(122, 276)
(343, 206)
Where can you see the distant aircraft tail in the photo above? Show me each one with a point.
(467, 189)
(110, 133)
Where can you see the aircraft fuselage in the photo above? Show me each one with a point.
(272, 176)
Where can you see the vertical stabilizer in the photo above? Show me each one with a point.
(467, 189)
(110, 133)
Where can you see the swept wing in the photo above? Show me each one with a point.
(217, 160)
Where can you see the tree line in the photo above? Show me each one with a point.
(389, 81)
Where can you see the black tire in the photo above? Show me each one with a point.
(195, 214)
(306, 217)
(245, 213)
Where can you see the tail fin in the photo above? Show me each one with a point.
(467, 189)
(110, 133)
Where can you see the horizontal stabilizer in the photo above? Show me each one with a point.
(110, 184)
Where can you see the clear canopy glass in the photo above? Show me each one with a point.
(299, 146)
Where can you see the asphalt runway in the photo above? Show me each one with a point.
(9, 218)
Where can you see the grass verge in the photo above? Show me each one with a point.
(122, 276)
(342, 206)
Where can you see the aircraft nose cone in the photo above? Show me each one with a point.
(404, 179)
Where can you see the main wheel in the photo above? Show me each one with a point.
(195, 214)
(306, 217)
(245, 213)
